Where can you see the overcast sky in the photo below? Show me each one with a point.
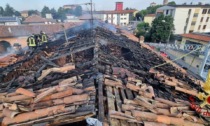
(100, 4)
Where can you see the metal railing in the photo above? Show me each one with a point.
(180, 47)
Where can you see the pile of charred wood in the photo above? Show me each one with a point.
(96, 68)
(68, 102)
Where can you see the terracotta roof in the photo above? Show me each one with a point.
(114, 12)
(25, 30)
(35, 19)
(150, 15)
(197, 37)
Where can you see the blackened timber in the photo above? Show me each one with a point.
(74, 51)
(100, 98)
(48, 61)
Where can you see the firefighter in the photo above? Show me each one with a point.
(44, 38)
(38, 39)
(31, 42)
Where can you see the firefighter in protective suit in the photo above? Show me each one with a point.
(32, 42)
(44, 38)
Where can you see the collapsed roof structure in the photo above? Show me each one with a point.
(101, 72)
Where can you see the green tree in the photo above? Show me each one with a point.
(172, 3)
(9, 11)
(17, 13)
(44, 11)
(152, 9)
(32, 12)
(61, 13)
(1, 11)
(54, 13)
(141, 29)
(78, 11)
(162, 28)
(142, 13)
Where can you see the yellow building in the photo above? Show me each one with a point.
(149, 18)
(24, 14)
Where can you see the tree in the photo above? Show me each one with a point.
(162, 27)
(45, 11)
(152, 9)
(142, 13)
(17, 13)
(54, 13)
(138, 15)
(142, 29)
(78, 11)
(32, 12)
(61, 13)
(9, 11)
(172, 3)
(1, 11)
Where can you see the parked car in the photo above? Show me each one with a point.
(163, 54)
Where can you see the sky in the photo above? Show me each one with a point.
(99, 4)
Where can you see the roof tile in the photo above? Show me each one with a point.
(197, 37)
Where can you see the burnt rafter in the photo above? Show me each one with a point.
(96, 73)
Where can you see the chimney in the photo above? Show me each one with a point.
(119, 6)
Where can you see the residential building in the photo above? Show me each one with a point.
(49, 16)
(153, 4)
(188, 18)
(118, 16)
(195, 39)
(20, 33)
(149, 18)
(72, 18)
(24, 13)
(165, 2)
(73, 6)
(9, 21)
(35, 19)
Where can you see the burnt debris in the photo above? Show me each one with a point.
(97, 73)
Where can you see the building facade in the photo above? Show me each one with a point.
(188, 18)
(118, 16)
(149, 18)
(9, 21)
(24, 14)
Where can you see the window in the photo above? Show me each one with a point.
(187, 20)
(195, 15)
(199, 27)
(167, 12)
(204, 11)
(124, 18)
(207, 19)
(201, 19)
(185, 28)
(209, 11)
(193, 23)
(204, 27)
(190, 31)
(189, 11)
